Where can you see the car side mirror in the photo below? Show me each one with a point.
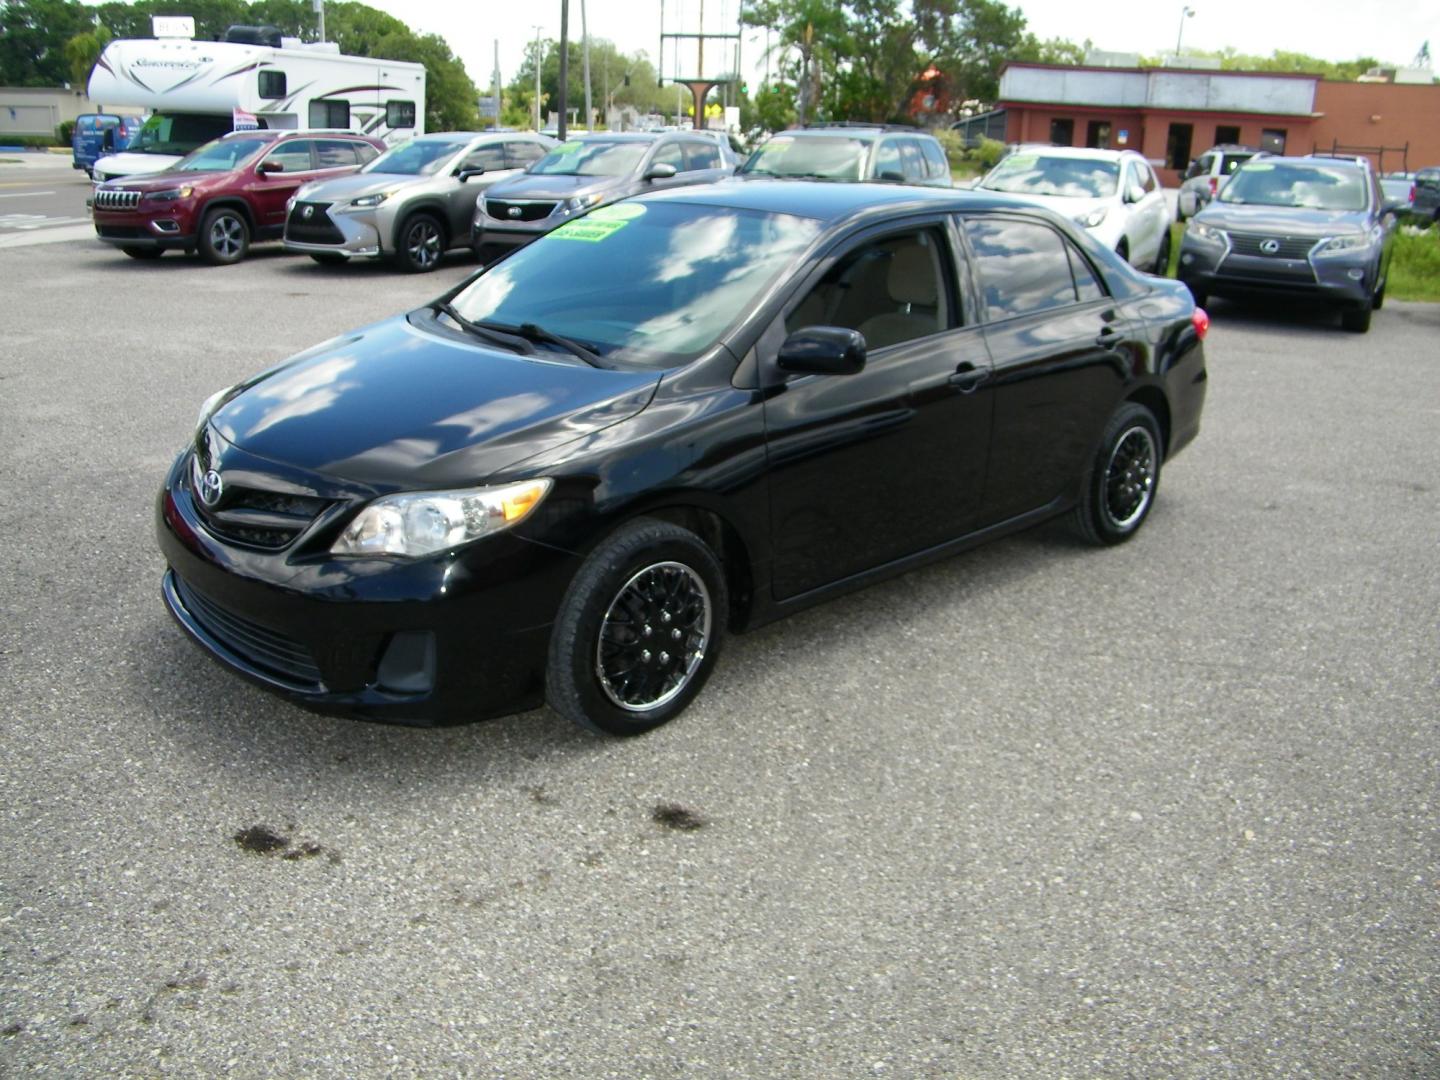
(465, 174)
(1135, 193)
(823, 350)
(268, 166)
(660, 171)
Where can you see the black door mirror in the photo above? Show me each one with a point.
(269, 166)
(465, 174)
(823, 350)
(660, 171)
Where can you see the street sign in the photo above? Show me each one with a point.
(489, 106)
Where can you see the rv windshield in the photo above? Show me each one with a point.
(418, 157)
(178, 133)
(221, 155)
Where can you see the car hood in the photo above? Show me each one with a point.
(1065, 205)
(128, 164)
(1285, 220)
(537, 186)
(353, 186)
(165, 178)
(395, 407)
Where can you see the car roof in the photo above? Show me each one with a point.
(834, 201)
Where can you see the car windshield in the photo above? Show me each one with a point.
(418, 157)
(1310, 187)
(691, 272)
(1041, 174)
(177, 134)
(821, 157)
(222, 155)
(591, 158)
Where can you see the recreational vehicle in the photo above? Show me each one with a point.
(196, 91)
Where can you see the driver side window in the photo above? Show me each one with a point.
(670, 154)
(892, 290)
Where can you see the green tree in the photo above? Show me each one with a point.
(82, 50)
(631, 80)
(32, 40)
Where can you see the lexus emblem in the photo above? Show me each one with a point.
(308, 212)
(1270, 247)
(211, 488)
(514, 211)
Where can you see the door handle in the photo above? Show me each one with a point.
(967, 377)
(1109, 338)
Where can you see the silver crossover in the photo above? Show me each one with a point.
(412, 203)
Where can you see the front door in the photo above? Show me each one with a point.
(871, 467)
(269, 191)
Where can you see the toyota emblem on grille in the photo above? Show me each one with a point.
(1270, 247)
(514, 211)
(308, 212)
(211, 488)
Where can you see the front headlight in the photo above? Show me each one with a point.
(1207, 233)
(1343, 245)
(171, 194)
(1093, 218)
(582, 202)
(424, 522)
(366, 202)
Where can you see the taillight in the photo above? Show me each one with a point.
(1214, 185)
(1412, 193)
(1201, 322)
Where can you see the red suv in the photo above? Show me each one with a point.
(221, 197)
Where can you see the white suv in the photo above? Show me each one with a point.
(1113, 194)
(1207, 175)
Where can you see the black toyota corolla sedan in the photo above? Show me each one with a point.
(683, 415)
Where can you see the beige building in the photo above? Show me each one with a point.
(39, 110)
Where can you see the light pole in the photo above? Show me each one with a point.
(537, 78)
(1186, 12)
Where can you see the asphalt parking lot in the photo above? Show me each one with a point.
(1163, 810)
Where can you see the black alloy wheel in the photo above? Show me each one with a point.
(1123, 478)
(224, 237)
(638, 631)
(422, 243)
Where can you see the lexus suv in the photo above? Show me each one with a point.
(219, 199)
(412, 203)
(589, 171)
(1304, 226)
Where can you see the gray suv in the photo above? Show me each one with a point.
(852, 151)
(589, 171)
(1308, 227)
(412, 203)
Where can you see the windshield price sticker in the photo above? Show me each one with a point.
(600, 224)
(567, 148)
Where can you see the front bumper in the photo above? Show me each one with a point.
(461, 636)
(167, 229)
(1347, 280)
(351, 235)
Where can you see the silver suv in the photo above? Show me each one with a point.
(852, 151)
(412, 203)
(589, 171)
(1207, 175)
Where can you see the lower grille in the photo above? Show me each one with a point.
(105, 199)
(528, 211)
(315, 229)
(1285, 247)
(268, 650)
(122, 232)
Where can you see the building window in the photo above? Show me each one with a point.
(272, 85)
(329, 114)
(1177, 146)
(1272, 140)
(1062, 132)
(1227, 135)
(1097, 135)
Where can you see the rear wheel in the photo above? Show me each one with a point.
(1123, 478)
(143, 252)
(638, 631)
(421, 244)
(224, 237)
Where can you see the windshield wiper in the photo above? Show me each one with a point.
(485, 333)
(532, 332)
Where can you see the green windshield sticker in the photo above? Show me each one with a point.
(1259, 166)
(567, 148)
(1020, 162)
(590, 230)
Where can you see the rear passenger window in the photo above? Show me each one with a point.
(1022, 266)
(335, 154)
(519, 155)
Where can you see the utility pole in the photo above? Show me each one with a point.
(537, 78)
(319, 7)
(564, 68)
(495, 78)
(585, 36)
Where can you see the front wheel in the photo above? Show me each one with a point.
(224, 237)
(638, 631)
(1123, 478)
(421, 244)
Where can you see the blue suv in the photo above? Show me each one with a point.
(1304, 226)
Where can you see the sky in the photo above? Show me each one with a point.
(1390, 30)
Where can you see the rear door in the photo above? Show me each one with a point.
(1060, 351)
(871, 467)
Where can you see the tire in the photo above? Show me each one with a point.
(1162, 257)
(328, 258)
(143, 253)
(1357, 319)
(1378, 300)
(419, 244)
(1122, 480)
(666, 580)
(224, 236)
